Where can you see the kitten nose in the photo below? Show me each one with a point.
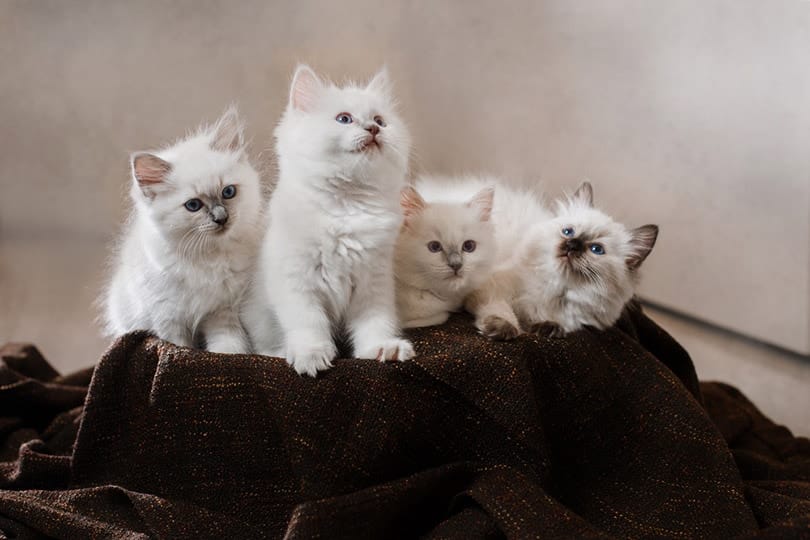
(454, 262)
(373, 129)
(574, 244)
(219, 214)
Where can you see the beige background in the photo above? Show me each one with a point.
(693, 114)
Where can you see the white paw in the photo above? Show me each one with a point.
(388, 349)
(228, 345)
(309, 360)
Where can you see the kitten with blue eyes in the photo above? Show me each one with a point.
(579, 268)
(486, 210)
(445, 250)
(325, 267)
(189, 246)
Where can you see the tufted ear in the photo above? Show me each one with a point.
(380, 83)
(229, 133)
(584, 193)
(304, 89)
(642, 241)
(482, 201)
(412, 203)
(150, 172)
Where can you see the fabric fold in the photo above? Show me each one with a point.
(596, 435)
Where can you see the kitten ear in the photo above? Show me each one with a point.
(305, 88)
(149, 171)
(642, 241)
(380, 83)
(584, 193)
(229, 132)
(483, 202)
(412, 203)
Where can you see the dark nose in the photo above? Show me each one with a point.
(373, 129)
(455, 265)
(574, 244)
(219, 215)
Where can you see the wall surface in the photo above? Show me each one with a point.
(693, 114)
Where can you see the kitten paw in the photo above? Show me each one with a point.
(498, 328)
(547, 329)
(390, 349)
(228, 345)
(309, 360)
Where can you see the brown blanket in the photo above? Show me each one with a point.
(601, 434)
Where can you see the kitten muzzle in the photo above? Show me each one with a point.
(570, 253)
(219, 215)
(573, 247)
(370, 142)
(454, 261)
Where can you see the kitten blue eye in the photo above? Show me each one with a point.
(192, 205)
(597, 249)
(568, 231)
(344, 118)
(434, 246)
(229, 192)
(468, 246)
(379, 121)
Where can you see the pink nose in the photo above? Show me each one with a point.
(373, 129)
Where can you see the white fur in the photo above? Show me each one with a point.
(540, 285)
(554, 291)
(428, 288)
(326, 262)
(514, 212)
(178, 273)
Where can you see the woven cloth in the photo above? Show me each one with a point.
(596, 435)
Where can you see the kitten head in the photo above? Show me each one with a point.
(589, 248)
(351, 132)
(445, 247)
(201, 192)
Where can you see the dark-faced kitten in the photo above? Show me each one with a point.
(575, 268)
(579, 268)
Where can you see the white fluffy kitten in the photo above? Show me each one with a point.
(579, 268)
(188, 249)
(326, 262)
(514, 211)
(444, 251)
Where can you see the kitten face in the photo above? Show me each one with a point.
(587, 247)
(202, 192)
(445, 247)
(351, 130)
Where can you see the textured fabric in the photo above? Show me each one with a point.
(600, 434)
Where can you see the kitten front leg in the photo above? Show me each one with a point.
(224, 333)
(175, 332)
(548, 329)
(372, 320)
(430, 320)
(307, 329)
(494, 316)
(497, 321)
(418, 308)
(537, 320)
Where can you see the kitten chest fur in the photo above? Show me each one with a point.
(335, 236)
(570, 307)
(174, 287)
